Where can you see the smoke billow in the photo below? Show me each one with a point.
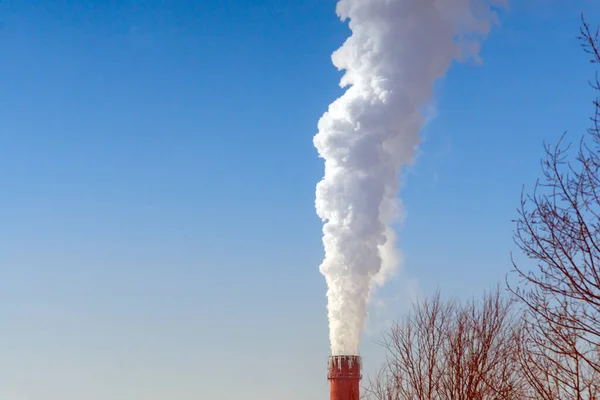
(397, 50)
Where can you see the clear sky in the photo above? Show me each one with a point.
(158, 234)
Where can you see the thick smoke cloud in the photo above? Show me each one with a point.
(397, 50)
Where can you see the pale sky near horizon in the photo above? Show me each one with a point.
(159, 239)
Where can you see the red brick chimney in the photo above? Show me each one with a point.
(344, 377)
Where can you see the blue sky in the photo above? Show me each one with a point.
(159, 238)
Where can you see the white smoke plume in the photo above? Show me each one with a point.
(397, 51)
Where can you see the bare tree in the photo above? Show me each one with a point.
(559, 228)
(452, 351)
(551, 363)
(413, 369)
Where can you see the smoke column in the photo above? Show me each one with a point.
(397, 51)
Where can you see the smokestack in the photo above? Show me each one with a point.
(344, 377)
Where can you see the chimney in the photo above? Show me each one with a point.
(344, 377)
